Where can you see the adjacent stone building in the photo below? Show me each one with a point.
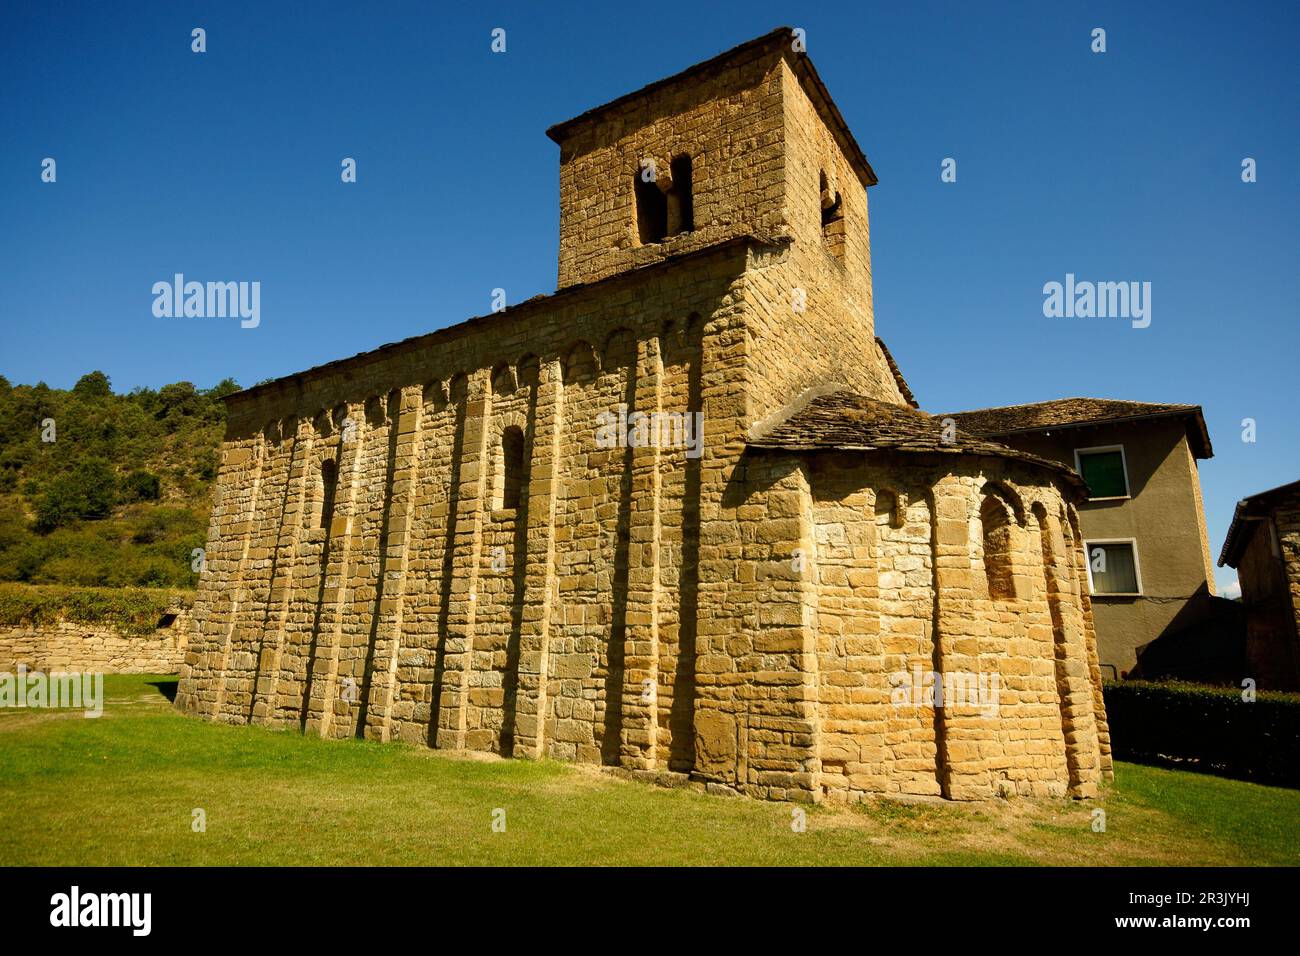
(1263, 544)
(680, 516)
(1151, 577)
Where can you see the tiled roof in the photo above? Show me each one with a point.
(1255, 506)
(897, 373)
(1078, 412)
(846, 421)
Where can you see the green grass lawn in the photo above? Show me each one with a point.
(122, 789)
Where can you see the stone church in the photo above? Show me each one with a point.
(682, 516)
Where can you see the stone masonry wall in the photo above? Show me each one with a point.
(733, 614)
(902, 593)
(729, 121)
(1269, 571)
(77, 648)
(1287, 519)
(812, 321)
(759, 147)
(424, 612)
(639, 606)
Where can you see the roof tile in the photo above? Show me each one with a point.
(1077, 412)
(847, 421)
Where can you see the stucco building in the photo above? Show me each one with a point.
(1263, 544)
(679, 517)
(1150, 574)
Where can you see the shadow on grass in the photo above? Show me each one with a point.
(166, 686)
(1213, 769)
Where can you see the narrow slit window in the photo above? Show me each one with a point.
(887, 509)
(832, 214)
(510, 475)
(651, 210)
(665, 204)
(996, 526)
(325, 493)
(681, 205)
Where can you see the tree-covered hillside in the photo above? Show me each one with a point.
(105, 489)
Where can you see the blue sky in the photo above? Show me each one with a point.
(225, 165)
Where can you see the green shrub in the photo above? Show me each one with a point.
(93, 385)
(1209, 726)
(132, 611)
(121, 496)
(85, 492)
(139, 486)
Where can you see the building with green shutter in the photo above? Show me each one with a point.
(1150, 571)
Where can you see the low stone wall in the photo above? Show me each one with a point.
(84, 648)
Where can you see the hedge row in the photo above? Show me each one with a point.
(128, 610)
(1209, 727)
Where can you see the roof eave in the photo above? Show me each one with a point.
(1253, 507)
(1064, 473)
(1233, 542)
(800, 63)
(1202, 447)
(475, 323)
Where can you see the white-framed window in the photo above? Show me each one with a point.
(1113, 567)
(1105, 470)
